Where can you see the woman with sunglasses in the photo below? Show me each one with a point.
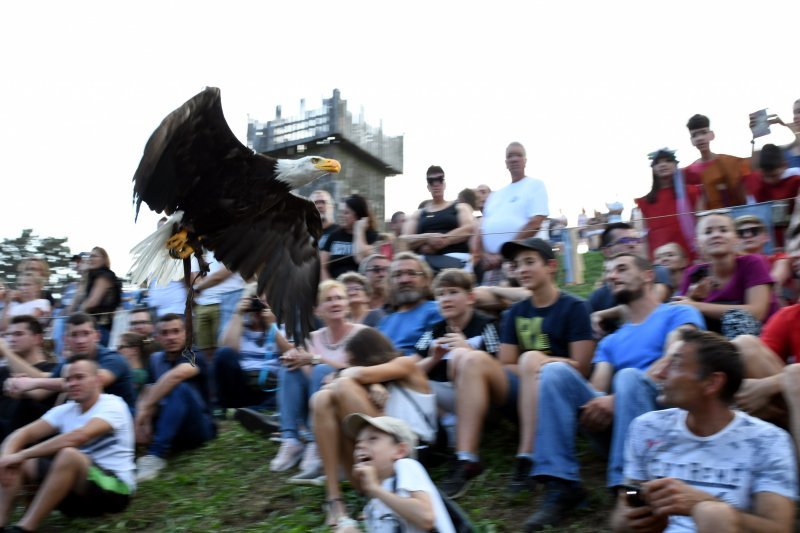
(753, 236)
(439, 231)
(734, 292)
(667, 208)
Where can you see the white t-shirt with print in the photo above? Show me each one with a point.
(411, 477)
(112, 451)
(746, 457)
(508, 209)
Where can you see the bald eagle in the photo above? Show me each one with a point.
(239, 204)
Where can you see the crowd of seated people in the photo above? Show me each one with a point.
(475, 325)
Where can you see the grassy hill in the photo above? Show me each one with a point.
(227, 486)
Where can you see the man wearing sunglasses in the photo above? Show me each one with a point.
(753, 236)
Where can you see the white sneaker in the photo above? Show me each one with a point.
(311, 460)
(310, 467)
(148, 467)
(289, 454)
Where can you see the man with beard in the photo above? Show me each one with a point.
(703, 466)
(84, 468)
(82, 340)
(172, 413)
(409, 295)
(622, 387)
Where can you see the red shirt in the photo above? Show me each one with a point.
(785, 189)
(781, 334)
(765, 192)
(661, 219)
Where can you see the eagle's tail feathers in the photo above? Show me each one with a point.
(151, 260)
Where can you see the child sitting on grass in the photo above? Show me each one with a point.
(402, 495)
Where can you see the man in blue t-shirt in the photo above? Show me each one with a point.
(409, 295)
(172, 412)
(622, 387)
(619, 238)
(82, 339)
(549, 326)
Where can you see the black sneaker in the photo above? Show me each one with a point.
(255, 422)
(521, 476)
(561, 497)
(459, 477)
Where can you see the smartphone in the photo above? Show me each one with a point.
(760, 123)
(633, 496)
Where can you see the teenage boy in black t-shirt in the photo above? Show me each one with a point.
(462, 330)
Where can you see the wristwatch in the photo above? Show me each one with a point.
(316, 359)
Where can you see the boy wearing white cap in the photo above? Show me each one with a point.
(402, 495)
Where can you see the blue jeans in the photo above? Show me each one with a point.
(295, 388)
(183, 422)
(562, 392)
(233, 389)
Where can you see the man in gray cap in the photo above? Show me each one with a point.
(549, 326)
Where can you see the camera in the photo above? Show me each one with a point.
(256, 305)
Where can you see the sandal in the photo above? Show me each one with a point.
(332, 520)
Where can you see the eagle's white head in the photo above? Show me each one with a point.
(299, 172)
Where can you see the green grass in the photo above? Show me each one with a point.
(227, 486)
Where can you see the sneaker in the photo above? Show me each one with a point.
(310, 467)
(521, 476)
(148, 467)
(312, 479)
(458, 479)
(561, 498)
(255, 422)
(289, 454)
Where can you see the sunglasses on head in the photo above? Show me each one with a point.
(746, 233)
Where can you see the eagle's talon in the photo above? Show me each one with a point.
(178, 240)
(178, 245)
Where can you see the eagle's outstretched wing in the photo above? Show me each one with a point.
(280, 247)
(233, 205)
(194, 163)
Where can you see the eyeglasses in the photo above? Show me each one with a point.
(378, 269)
(121, 346)
(626, 240)
(746, 233)
(431, 181)
(140, 322)
(355, 288)
(410, 273)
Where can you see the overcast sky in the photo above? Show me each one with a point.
(589, 87)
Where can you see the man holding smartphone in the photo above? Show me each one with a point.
(701, 465)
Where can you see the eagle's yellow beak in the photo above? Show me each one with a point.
(329, 165)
